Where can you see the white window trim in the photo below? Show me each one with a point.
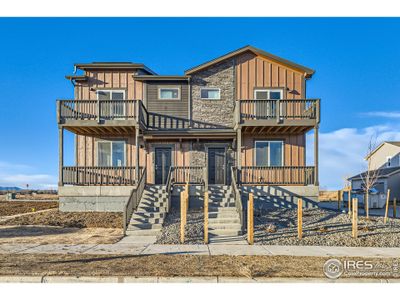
(269, 90)
(169, 88)
(210, 88)
(268, 153)
(111, 91)
(110, 142)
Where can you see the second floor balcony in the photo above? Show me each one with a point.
(283, 112)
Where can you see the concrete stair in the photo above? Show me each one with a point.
(223, 219)
(146, 222)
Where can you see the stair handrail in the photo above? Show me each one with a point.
(237, 195)
(168, 186)
(134, 199)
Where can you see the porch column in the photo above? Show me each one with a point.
(60, 155)
(239, 153)
(137, 170)
(316, 128)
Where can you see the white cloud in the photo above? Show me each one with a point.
(342, 152)
(20, 175)
(382, 114)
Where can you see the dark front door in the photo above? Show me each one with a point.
(216, 165)
(162, 164)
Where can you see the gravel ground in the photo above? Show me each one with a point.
(194, 232)
(69, 219)
(324, 228)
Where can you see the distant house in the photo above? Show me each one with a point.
(386, 159)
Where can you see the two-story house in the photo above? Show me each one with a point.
(236, 124)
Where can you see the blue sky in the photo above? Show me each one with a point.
(356, 61)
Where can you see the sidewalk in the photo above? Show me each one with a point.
(211, 249)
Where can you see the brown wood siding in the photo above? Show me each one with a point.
(254, 71)
(110, 79)
(176, 108)
(294, 149)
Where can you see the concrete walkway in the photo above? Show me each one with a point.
(211, 249)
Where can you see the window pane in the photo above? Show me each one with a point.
(261, 95)
(275, 152)
(118, 154)
(210, 93)
(274, 95)
(169, 93)
(261, 154)
(104, 95)
(104, 154)
(117, 96)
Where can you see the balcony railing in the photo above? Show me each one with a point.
(278, 175)
(78, 175)
(299, 109)
(97, 109)
(191, 175)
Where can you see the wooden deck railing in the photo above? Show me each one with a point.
(191, 175)
(295, 109)
(97, 109)
(134, 198)
(278, 175)
(78, 175)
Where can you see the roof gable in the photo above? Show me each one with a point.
(308, 72)
(393, 143)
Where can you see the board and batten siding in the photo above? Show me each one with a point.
(175, 108)
(293, 150)
(110, 79)
(254, 71)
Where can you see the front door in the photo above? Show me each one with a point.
(162, 164)
(216, 165)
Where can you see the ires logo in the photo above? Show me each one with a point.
(334, 268)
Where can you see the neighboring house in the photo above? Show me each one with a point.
(236, 122)
(385, 163)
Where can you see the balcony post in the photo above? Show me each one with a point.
(278, 111)
(316, 128)
(137, 170)
(239, 154)
(98, 110)
(60, 155)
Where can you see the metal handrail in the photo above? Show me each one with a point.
(168, 187)
(134, 199)
(237, 195)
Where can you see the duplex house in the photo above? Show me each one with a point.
(233, 125)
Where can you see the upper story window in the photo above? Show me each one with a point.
(111, 153)
(111, 105)
(111, 94)
(269, 153)
(169, 93)
(210, 93)
(268, 94)
(388, 161)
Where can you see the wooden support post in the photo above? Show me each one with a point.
(349, 204)
(338, 199)
(250, 219)
(387, 206)
(206, 217)
(316, 128)
(183, 216)
(300, 218)
(187, 195)
(394, 208)
(239, 153)
(61, 156)
(355, 218)
(137, 155)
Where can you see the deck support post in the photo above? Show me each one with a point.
(137, 157)
(239, 154)
(316, 179)
(60, 155)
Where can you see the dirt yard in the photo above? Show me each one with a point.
(9, 208)
(69, 219)
(58, 235)
(165, 265)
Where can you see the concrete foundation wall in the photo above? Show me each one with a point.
(196, 196)
(94, 198)
(281, 196)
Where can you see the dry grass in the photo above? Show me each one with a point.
(163, 265)
(69, 219)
